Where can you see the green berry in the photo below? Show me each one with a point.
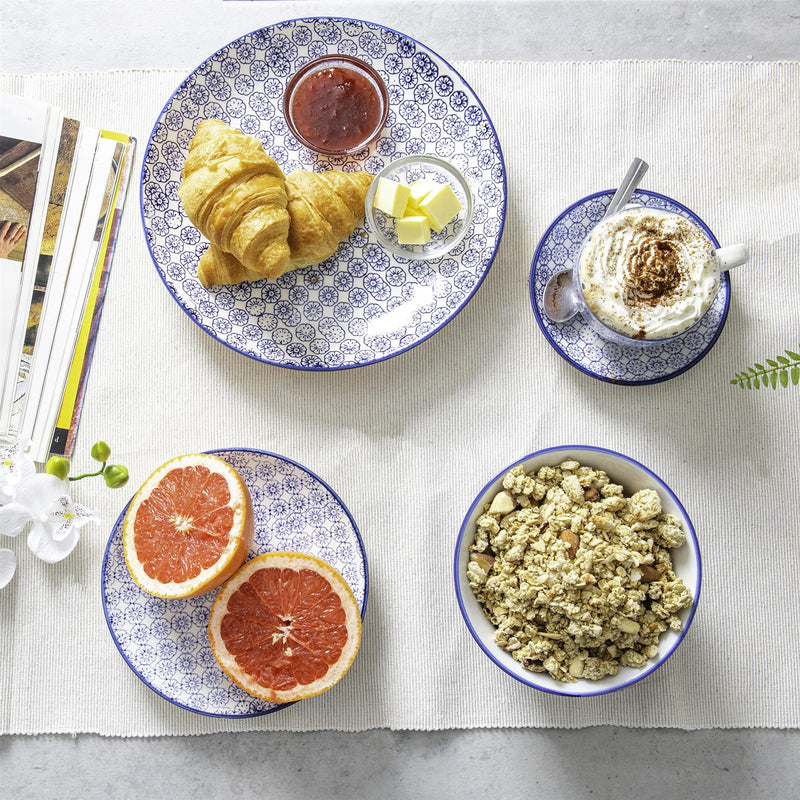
(100, 451)
(115, 476)
(58, 466)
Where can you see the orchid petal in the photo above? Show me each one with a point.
(69, 515)
(44, 546)
(13, 518)
(59, 527)
(62, 519)
(85, 515)
(40, 493)
(8, 566)
(15, 465)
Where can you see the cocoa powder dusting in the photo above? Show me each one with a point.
(653, 272)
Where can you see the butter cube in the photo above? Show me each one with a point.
(422, 187)
(412, 208)
(440, 206)
(412, 230)
(391, 197)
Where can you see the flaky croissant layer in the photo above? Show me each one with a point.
(259, 222)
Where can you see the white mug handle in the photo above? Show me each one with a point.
(733, 255)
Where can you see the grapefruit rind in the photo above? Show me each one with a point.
(231, 558)
(295, 561)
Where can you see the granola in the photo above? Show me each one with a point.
(576, 577)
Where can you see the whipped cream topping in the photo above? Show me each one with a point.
(647, 273)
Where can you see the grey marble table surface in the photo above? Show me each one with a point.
(604, 762)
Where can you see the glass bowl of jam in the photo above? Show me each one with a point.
(419, 207)
(336, 105)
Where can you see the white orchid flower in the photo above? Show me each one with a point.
(8, 566)
(15, 465)
(42, 499)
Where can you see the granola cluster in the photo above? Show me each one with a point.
(576, 577)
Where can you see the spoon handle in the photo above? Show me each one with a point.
(629, 183)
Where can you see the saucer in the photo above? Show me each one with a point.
(577, 343)
(165, 642)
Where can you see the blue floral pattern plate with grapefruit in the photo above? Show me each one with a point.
(165, 642)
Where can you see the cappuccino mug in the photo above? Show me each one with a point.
(646, 275)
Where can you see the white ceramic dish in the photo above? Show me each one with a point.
(632, 476)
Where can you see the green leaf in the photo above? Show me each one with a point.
(784, 360)
(753, 371)
(760, 367)
(773, 379)
(792, 354)
(756, 383)
(795, 375)
(772, 363)
(784, 377)
(749, 384)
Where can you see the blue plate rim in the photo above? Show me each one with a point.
(691, 533)
(615, 381)
(428, 335)
(121, 517)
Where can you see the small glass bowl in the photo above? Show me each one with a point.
(406, 170)
(329, 62)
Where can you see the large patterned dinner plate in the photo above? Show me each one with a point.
(579, 344)
(362, 305)
(165, 642)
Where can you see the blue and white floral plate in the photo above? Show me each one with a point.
(362, 305)
(577, 343)
(165, 642)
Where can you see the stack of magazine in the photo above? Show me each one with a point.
(62, 190)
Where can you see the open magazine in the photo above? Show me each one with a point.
(62, 191)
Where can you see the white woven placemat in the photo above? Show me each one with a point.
(407, 443)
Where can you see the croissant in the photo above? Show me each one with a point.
(235, 194)
(216, 267)
(324, 208)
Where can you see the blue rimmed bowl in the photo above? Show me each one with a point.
(633, 476)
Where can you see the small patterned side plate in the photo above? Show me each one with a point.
(165, 642)
(362, 305)
(577, 343)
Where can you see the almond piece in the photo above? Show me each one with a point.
(628, 625)
(503, 503)
(572, 539)
(650, 574)
(533, 666)
(484, 560)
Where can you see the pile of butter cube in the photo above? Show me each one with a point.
(418, 208)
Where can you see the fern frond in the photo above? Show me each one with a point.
(781, 370)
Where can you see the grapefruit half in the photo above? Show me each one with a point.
(189, 527)
(285, 627)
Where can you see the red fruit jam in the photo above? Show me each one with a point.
(335, 108)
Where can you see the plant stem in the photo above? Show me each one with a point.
(89, 474)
